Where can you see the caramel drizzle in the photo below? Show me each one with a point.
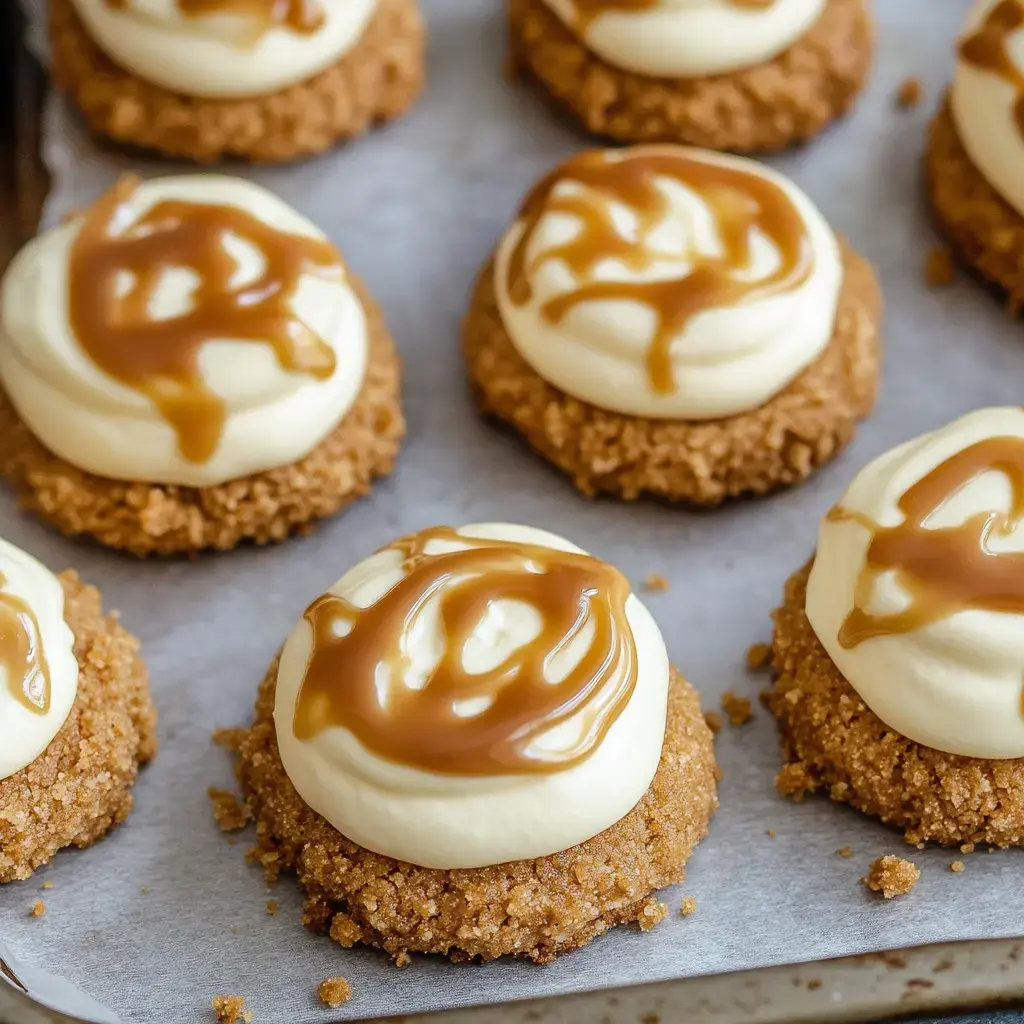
(588, 10)
(988, 50)
(741, 201)
(420, 727)
(160, 358)
(944, 570)
(303, 16)
(21, 653)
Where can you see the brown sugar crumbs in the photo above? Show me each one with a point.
(967, 848)
(737, 709)
(845, 851)
(38, 908)
(230, 1009)
(334, 992)
(653, 913)
(758, 657)
(230, 813)
(892, 876)
(689, 905)
(714, 721)
(271, 907)
(229, 739)
(656, 583)
(909, 94)
(956, 867)
(47, 885)
(939, 269)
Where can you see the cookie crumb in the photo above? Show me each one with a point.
(271, 907)
(759, 656)
(334, 992)
(771, 833)
(229, 739)
(653, 913)
(47, 885)
(230, 813)
(714, 721)
(844, 851)
(737, 709)
(689, 905)
(967, 848)
(656, 583)
(145, 890)
(892, 876)
(230, 1009)
(402, 959)
(939, 269)
(956, 867)
(38, 908)
(909, 94)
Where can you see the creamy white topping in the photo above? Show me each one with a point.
(26, 730)
(442, 821)
(273, 416)
(954, 684)
(687, 38)
(984, 108)
(725, 361)
(222, 55)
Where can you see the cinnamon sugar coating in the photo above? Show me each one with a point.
(698, 462)
(376, 81)
(831, 741)
(532, 908)
(166, 519)
(79, 788)
(763, 108)
(986, 232)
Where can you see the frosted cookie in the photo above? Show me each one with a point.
(474, 744)
(678, 322)
(747, 75)
(263, 80)
(976, 148)
(899, 651)
(188, 364)
(76, 719)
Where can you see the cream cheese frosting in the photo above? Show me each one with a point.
(917, 588)
(38, 670)
(606, 239)
(687, 38)
(272, 416)
(230, 50)
(987, 98)
(448, 821)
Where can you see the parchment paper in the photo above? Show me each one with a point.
(416, 208)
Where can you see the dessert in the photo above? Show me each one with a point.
(668, 320)
(474, 744)
(220, 376)
(745, 75)
(897, 653)
(76, 719)
(976, 147)
(261, 80)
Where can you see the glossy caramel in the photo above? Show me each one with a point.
(988, 49)
(21, 653)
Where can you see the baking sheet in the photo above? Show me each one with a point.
(416, 209)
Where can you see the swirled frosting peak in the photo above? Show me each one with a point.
(460, 681)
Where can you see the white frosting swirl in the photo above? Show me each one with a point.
(726, 360)
(223, 55)
(441, 821)
(983, 105)
(25, 732)
(687, 38)
(955, 684)
(274, 416)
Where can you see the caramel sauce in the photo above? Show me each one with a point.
(988, 49)
(160, 357)
(303, 16)
(421, 728)
(21, 653)
(949, 569)
(741, 201)
(588, 10)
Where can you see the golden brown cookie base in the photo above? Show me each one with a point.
(537, 908)
(79, 788)
(705, 462)
(377, 80)
(147, 519)
(764, 108)
(985, 230)
(833, 742)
